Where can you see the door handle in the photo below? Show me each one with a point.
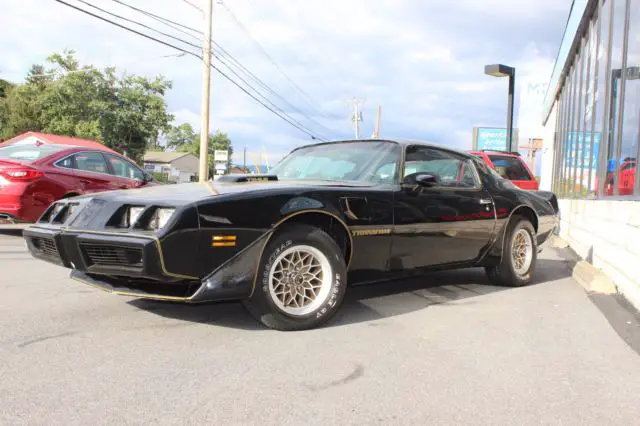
(486, 201)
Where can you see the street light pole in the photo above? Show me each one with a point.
(206, 88)
(499, 70)
(512, 84)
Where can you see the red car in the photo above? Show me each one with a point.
(510, 166)
(33, 175)
(627, 178)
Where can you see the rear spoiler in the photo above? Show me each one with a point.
(551, 198)
(241, 178)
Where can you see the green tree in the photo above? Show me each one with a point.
(217, 141)
(180, 137)
(126, 113)
(5, 86)
(21, 110)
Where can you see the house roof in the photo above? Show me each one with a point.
(57, 140)
(163, 157)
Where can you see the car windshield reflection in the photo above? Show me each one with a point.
(364, 162)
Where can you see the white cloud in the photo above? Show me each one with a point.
(422, 61)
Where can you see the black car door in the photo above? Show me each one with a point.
(448, 220)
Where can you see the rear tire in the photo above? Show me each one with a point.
(301, 280)
(519, 256)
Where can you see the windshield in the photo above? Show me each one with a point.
(29, 152)
(370, 162)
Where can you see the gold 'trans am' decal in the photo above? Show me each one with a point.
(369, 232)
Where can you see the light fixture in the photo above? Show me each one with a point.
(500, 70)
(134, 214)
(160, 218)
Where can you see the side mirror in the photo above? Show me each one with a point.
(420, 180)
(426, 179)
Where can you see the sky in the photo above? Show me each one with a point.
(422, 61)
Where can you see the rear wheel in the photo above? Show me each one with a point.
(519, 255)
(301, 280)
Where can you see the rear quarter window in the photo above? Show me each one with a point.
(510, 167)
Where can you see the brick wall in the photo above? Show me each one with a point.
(606, 233)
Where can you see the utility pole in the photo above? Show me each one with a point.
(356, 116)
(244, 160)
(376, 130)
(206, 89)
(532, 147)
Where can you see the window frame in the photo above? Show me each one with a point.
(463, 159)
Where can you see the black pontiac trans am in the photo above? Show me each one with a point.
(287, 244)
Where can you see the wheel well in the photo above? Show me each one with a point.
(330, 224)
(529, 214)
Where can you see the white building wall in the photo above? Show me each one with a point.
(606, 233)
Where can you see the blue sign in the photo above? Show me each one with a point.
(576, 142)
(492, 139)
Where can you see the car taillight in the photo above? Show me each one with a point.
(20, 174)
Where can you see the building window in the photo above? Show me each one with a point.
(598, 107)
(614, 148)
(629, 115)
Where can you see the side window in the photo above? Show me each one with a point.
(91, 162)
(124, 168)
(386, 174)
(510, 167)
(66, 163)
(449, 169)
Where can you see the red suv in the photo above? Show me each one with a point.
(33, 175)
(510, 166)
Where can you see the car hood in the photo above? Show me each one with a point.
(185, 193)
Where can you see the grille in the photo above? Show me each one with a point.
(104, 255)
(46, 246)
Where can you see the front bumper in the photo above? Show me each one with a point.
(122, 264)
(133, 265)
(100, 253)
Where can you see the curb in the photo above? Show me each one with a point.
(591, 278)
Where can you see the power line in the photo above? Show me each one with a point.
(136, 23)
(144, 12)
(177, 26)
(195, 6)
(262, 49)
(298, 126)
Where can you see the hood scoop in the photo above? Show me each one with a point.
(241, 178)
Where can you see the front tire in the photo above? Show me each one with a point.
(301, 280)
(519, 256)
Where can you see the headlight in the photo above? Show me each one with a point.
(72, 207)
(134, 214)
(160, 218)
(56, 209)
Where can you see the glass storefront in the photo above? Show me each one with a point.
(597, 107)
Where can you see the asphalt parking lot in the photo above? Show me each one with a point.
(445, 349)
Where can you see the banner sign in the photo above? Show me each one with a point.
(576, 142)
(493, 139)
